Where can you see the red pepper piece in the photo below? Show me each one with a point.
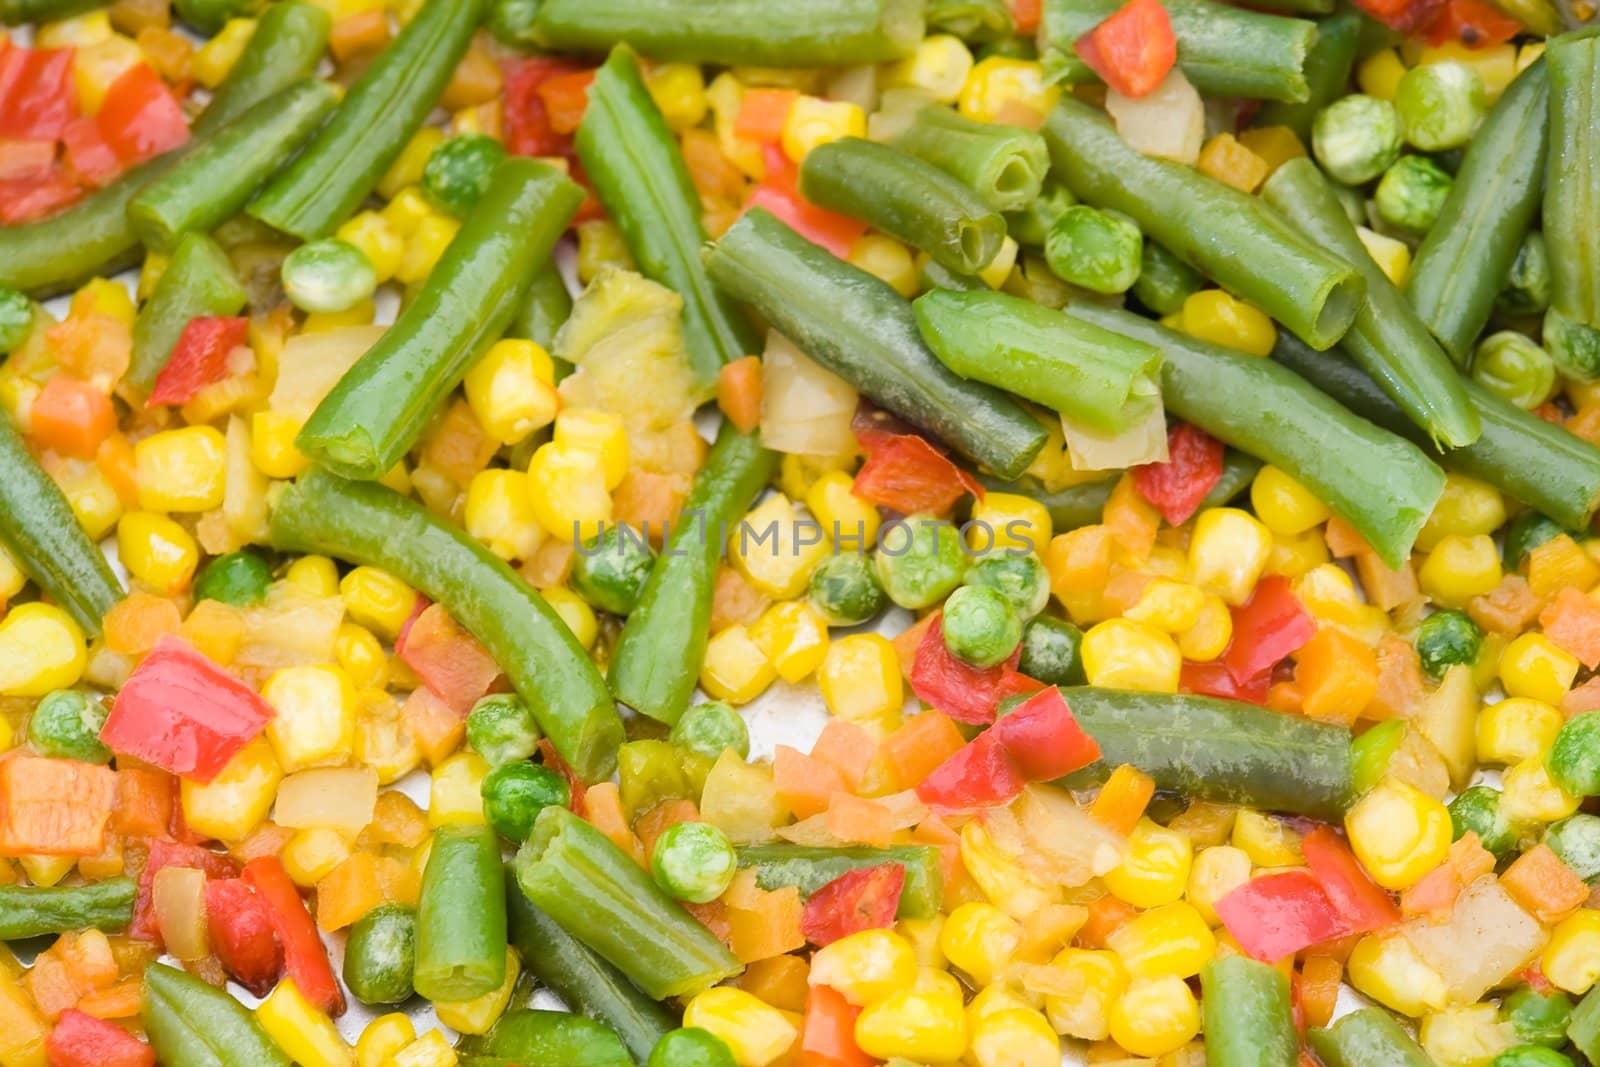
(183, 713)
(241, 934)
(1362, 904)
(1043, 739)
(1213, 680)
(36, 198)
(528, 127)
(828, 1032)
(965, 693)
(140, 118)
(90, 159)
(862, 899)
(451, 663)
(199, 358)
(37, 96)
(575, 787)
(1277, 915)
(1193, 468)
(980, 775)
(1133, 49)
(81, 1040)
(566, 98)
(1473, 23)
(1268, 627)
(905, 473)
(164, 853)
(1405, 16)
(305, 959)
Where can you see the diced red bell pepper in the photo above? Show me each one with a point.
(828, 1032)
(1043, 738)
(1363, 905)
(449, 661)
(199, 358)
(1133, 49)
(1213, 680)
(1025, 14)
(981, 774)
(37, 96)
(528, 127)
(779, 193)
(36, 198)
(1404, 16)
(905, 473)
(164, 853)
(1277, 915)
(1266, 628)
(965, 693)
(575, 787)
(81, 1040)
(305, 959)
(141, 118)
(26, 160)
(1193, 468)
(182, 713)
(1474, 23)
(90, 159)
(241, 934)
(862, 899)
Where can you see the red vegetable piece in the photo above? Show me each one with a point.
(1043, 739)
(863, 899)
(449, 661)
(1193, 468)
(199, 358)
(1402, 15)
(981, 774)
(1268, 627)
(828, 1032)
(904, 472)
(22, 161)
(183, 713)
(89, 158)
(37, 96)
(140, 118)
(305, 960)
(575, 787)
(965, 693)
(1277, 915)
(566, 98)
(35, 198)
(1363, 905)
(528, 128)
(241, 934)
(81, 1040)
(164, 853)
(1213, 680)
(779, 193)
(1133, 49)
(1474, 23)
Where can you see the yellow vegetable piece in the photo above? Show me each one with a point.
(41, 649)
(1398, 832)
(865, 967)
(755, 1032)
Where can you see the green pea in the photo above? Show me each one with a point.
(515, 793)
(501, 729)
(1356, 138)
(1411, 194)
(980, 626)
(1527, 290)
(1051, 652)
(1440, 105)
(380, 955)
(1446, 638)
(16, 320)
(238, 578)
(1164, 281)
(1031, 225)
(1020, 577)
(1525, 533)
(328, 275)
(209, 16)
(1574, 759)
(1576, 839)
(693, 861)
(458, 172)
(710, 729)
(609, 571)
(1573, 345)
(845, 590)
(1532, 1056)
(66, 724)
(691, 1047)
(919, 560)
(1477, 808)
(1538, 1018)
(1510, 364)
(1097, 250)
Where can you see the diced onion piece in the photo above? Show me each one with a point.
(1488, 938)
(334, 798)
(290, 628)
(1144, 441)
(805, 408)
(1169, 123)
(311, 364)
(178, 895)
(244, 494)
(1062, 841)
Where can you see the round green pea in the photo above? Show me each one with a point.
(1020, 577)
(1440, 105)
(1532, 1056)
(710, 729)
(501, 729)
(1096, 250)
(980, 626)
(16, 320)
(691, 1047)
(1051, 652)
(919, 560)
(328, 275)
(238, 578)
(1538, 1018)
(1525, 533)
(1478, 809)
(1356, 138)
(845, 590)
(1446, 638)
(1411, 194)
(1510, 364)
(609, 571)
(1574, 759)
(1573, 345)
(1527, 290)
(693, 861)
(1576, 839)
(515, 793)
(458, 172)
(380, 954)
(66, 724)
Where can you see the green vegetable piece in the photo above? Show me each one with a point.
(1584, 1029)
(16, 320)
(845, 589)
(1532, 1056)
(199, 280)
(461, 916)
(1572, 203)
(1446, 638)
(693, 861)
(1020, 577)
(1371, 753)
(238, 578)
(66, 724)
(1440, 105)
(328, 275)
(980, 626)
(1574, 759)
(1510, 364)
(610, 571)
(1574, 346)
(380, 955)
(515, 793)
(1051, 652)
(1327, 69)
(710, 729)
(1248, 1016)
(527, 1036)
(1031, 224)
(1367, 1037)
(459, 170)
(1576, 839)
(31, 911)
(1097, 250)
(1411, 194)
(1477, 808)
(810, 867)
(545, 311)
(1538, 1018)
(1525, 533)
(650, 771)
(1527, 290)
(1356, 138)
(190, 1024)
(511, 21)
(691, 1047)
(1164, 281)
(209, 16)
(919, 560)
(501, 729)
(1005, 165)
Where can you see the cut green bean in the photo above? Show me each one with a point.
(1249, 1021)
(191, 1024)
(1367, 1037)
(539, 1036)
(287, 44)
(971, 20)
(18, 12)
(1572, 179)
(199, 280)
(808, 868)
(29, 911)
(545, 308)
(1164, 281)
(461, 916)
(1327, 73)
(1233, 238)
(1004, 165)
(1584, 1026)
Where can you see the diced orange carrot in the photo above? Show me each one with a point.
(907, 641)
(88, 958)
(120, 1001)
(50, 984)
(54, 807)
(1386, 587)
(1337, 675)
(1343, 541)
(72, 417)
(649, 501)
(144, 802)
(653, 823)
(603, 809)
(116, 463)
(919, 745)
(457, 445)
(1400, 687)
(714, 174)
(1544, 885)
(1025, 14)
(804, 783)
(763, 112)
(97, 348)
(449, 660)
(137, 621)
(1508, 608)
(566, 98)
(1582, 698)
(734, 600)
(1123, 798)
(1572, 622)
(860, 820)
(400, 882)
(1285, 697)
(765, 924)
(848, 748)
(779, 981)
(1319, 989)
(358, 34)
(739, 392)
(1132, 520)
(1106, 915)
(437, 729)
(349, 891)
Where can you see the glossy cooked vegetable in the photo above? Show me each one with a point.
(461, 916)
(1572, 202)
(536, 1036)
(809, 868)
(285, 47)
(380, 955)
(1249, 1020)
(1004, 165)
(30, 911)
(199, 281)
(1367, 1037)
(1327, 72)
(190, 1024)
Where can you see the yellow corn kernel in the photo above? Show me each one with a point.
(1268, 842)
(939, 67)
(776, 550)
(1155, 1017)
(927, 1026)
(1219, 317)
(455, 791)
(867, 966)
(215, 59)
(996, 274)
(510, 390)
(1398, 832)
(1392, 256)
(236, 801)
(725, 95)
(272, 447)
(360, 655)
(1229, 160)
(315, 575)
(1209, 636)
(860, 678)
(12, 580)
(884, 257)
(1283, 505)
(406, 211)
(475, 1016)
(1464, 1037)
(600, 432)
(567, 487)
(755, 1032)
(813, 121)
(1216, 872)
(793, 636)
(1516, 728)
(1007, 522)
(315, 716)
(94, 500)
(361, 313)
(1296, 555)
(1275, 145)
(845, 518)
(181, 470)
(1155, 868)
(1168, 606)
(424, 248)
(95, 67)
(370, 232)
(1387, 968)
(1120, 654)
(432, 1049)
(1380, 73)
(1460, 568)
(499, 513)
(157, 551)
(155, 265)
(924, 937)
(102, 296)
(1572, 958)
(1014, 1037)
(679, 90)
(1534, 666)
(1529, 795)
(998, 85)
(575, 612)
(980, 939)
(378, 600)
(1170, 940)
(406, 170)
(309, 855)
(41, 650)
(1228, 552)
(1466, 507)
(735, 669)
(383, 1039)
(304, 1032)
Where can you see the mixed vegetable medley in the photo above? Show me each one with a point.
(447, 444)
